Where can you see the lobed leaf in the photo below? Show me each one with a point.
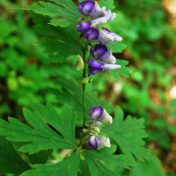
(62, 12)
(47, 130)
(68, 166)
(129, 135)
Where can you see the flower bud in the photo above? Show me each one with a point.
(106, 36)
(98, 142)
(91, 34)
(95, 67)
(86, 7)
(84, 26)
(98, 114)
(107, 16)
(100, 51)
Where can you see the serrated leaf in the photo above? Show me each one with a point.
(10, 161)
(45, 131)
(62, 12)
(68, 166)
(105, 163)
(59, 43)
(151, 168)
(129, 135)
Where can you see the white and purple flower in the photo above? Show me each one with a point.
(106, 36)
(101, 52)
(95, 67)
(98, 114)
(84, 26)
(91, 34)
(98, 142)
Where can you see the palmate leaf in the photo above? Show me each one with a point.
(129, 135)
(59, 43)
(146, 168)
(47, 130)
(62, 12)
(104, 163)
(10, 161)
(67, 167)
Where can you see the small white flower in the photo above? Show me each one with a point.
(107, 15)
(106, 36)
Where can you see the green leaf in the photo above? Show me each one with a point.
(104, 162)
(150, 168)
(10, 161)
(117, 47)
(40, 157)
(47, 129)
(108, 4)
(59, 43)
(62, 13)
(68, 166)
(128, 134)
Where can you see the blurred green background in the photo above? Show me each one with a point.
(148, 28)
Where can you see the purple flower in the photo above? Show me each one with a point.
(100, 51)
(98, 114)
(95, 67)
(84, 26)
(98, 142)
(91, 34)
(106, 36)
(91, 8)
(86, 7)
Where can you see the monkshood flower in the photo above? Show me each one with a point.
(91, 34)
(84, 26)
(107, 16)
(98, 142)
(91, 8)
(95, 67)
(101, 52)
(98, 114)
(106, 36)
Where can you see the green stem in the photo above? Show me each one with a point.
(84, 75)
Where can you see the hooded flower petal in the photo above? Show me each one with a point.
(107, 16)
(86, 7)
(91, 34)
(100, 51)
(95, 67)
(98, 142)
(98, 114)
(84, 26)
(106, 36)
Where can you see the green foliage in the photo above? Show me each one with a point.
(27, 74)
(68, 166)
(10, 161)
(47, 131)
(59, 43)
(62, 13)
(148, 168)
(128, 134)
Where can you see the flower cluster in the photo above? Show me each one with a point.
(93, 16)
(98, 116)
